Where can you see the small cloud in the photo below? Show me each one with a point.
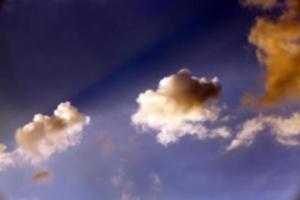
(106, 143)
(122, 181)
(7, 159)
(155, 180)
(42, 175)
(2, 148)
(127, 196)
(180, 106)
(265, 4)
(46, 135)
(129, 187)
(156, 185)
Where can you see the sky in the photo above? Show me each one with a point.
(149, 100)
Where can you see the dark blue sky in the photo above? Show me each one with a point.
(100, 54)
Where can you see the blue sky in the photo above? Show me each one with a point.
(100, 55)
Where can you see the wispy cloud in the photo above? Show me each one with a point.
(180, 106)
(122, 181)
(129, 188)
(127, 196)
(286, 130)
(107, 143)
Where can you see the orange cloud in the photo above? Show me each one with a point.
(42, 175)
(265, 4)
(278, 50)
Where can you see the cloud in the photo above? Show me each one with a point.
(46, 135)
(265, 4)
(156, 182)
(7, 159)
(278, 49)
(126, 196)
(247, 133)
(285, 130)
(107, 143)
(42, 175)
(2, 148)
(130, 188)
(122, 181)
(180, 106)
(156, 185)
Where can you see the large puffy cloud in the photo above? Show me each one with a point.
(278, 49)
(46, 135)
(180, 106)
(285, 130)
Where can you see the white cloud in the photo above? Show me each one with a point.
(46, 135)
(285, 130)
(156, 185)
(247, 133)
(180, 107)
(122, 181)
(129, 187)
(7, 159)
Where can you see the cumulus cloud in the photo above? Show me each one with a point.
(42, 175)
(181, 105)
(46, 135)
(285, 130)
(278, 49)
